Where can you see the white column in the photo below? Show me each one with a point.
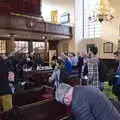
(78, 23)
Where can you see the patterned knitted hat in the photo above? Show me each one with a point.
(61, 91)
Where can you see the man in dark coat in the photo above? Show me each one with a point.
(87, 103)
(5, 90)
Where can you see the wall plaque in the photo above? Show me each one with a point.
(108, 47)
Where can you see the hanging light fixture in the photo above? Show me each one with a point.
(103, 12)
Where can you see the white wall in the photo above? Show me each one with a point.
(109, 32)
(78, 24)
(60, 5)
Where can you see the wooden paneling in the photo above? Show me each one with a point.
(65, 47)
(4, 21)
(4, 8)
(46, 110)
(53, 45)
(27, 7)
(50, 110)
(28, 24)
(111, 64)
(58, 29)
(23, 15)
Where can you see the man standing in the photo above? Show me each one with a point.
(93, 73)
(5, 90)
(87, 103)
(96, 69)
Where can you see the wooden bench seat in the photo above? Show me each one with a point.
(31, 96)
(45, 110)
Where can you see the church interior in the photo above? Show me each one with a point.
(38, 35)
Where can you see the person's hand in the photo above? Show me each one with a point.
(11, 76)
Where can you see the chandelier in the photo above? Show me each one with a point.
(103, 12)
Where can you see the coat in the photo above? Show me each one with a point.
(89, 103)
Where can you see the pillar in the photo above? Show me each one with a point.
(10, 45)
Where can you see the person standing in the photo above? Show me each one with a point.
(5, 90)
(92, 64)
(67, 63)
(59, 74)
(97, 69)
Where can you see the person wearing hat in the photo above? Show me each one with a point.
(86, 102)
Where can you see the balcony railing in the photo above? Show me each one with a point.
(34, 25)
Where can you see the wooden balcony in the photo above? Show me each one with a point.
(58, 29)
(14, 23)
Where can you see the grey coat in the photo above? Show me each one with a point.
(90, 104)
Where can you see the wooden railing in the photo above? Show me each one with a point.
(27, 23)
(4, 8)
(58, 29)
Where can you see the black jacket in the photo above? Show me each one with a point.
(103, 69)
(4, 83)
(64, 77)
(80, 64)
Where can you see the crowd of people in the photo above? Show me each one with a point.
(82, 99)
(89, 67)
(11, 73)
(87, 102)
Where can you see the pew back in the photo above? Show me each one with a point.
(45, 110)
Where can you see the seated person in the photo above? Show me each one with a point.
(87, 103)
(60, 74)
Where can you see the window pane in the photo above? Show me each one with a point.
(21, 46)
(39, 45)
(2, 46)
(91, 29)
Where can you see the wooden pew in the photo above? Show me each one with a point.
(74, 81)
(33, 105)
(31, 96)
(38, 94)
(111, 64)
(45, 110)
(39, 78)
